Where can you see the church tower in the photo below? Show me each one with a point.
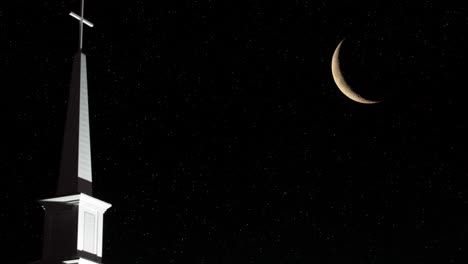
(73, 221)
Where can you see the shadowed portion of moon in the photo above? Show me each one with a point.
(342, 84)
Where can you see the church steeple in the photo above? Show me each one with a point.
(73, 221)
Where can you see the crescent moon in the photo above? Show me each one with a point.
(340, 81)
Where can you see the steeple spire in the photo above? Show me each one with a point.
(75, 167)
(75, 174)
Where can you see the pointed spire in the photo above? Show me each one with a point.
(75, 167)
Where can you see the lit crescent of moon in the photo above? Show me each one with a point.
(341, 82)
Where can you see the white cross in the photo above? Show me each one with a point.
(82, 20)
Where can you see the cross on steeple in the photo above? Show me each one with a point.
(82, 21)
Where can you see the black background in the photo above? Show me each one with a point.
(219, 136)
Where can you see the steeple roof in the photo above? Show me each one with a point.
(75, 167)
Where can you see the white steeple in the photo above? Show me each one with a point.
(73, 222)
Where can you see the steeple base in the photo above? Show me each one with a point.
(73, 229)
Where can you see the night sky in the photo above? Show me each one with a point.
(219, 136)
